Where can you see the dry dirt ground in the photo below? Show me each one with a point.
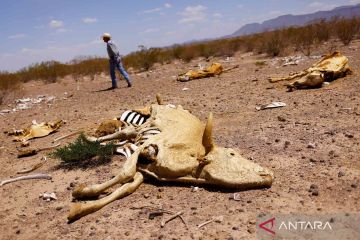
(313, 140)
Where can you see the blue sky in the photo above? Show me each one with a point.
(37, 30)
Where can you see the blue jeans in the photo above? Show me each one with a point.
(118, 64)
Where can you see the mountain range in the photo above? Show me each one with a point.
(297, 20)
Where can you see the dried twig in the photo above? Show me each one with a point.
(31, 152)
(154, 214)
(163, 222)
(36, 166)
(28, 177)
(231, 68)
(66, 136)
(218, 219)
(159, 210)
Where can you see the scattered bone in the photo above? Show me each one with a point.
(218, 219)
(5, 111)
(194, 189)
(23, 100)
(185, 89)
(271, 105)
(28, 177)
(235, 197)
(36, 166)
(163, 222)
(25, 143)
(27, 103)
(292, 60)
(67, 135)
(30, 152)
(48, 196)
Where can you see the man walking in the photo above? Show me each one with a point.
(115, 61)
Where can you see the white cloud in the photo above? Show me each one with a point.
(354, 1)
(39, 27)
(158, 9)
(320, 6)
(17, 36)
(89, 20)
(62, 30)
(193, 14)
(217, 15)
(56, 24)
(153, 10)
(150, 30)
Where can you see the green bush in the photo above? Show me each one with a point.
(83, 151)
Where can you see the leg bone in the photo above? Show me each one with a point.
(79, 210)
(126, 174)
(125, 134)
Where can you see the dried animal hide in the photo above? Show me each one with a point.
(36, 130)
(214, 69)
(329, 68)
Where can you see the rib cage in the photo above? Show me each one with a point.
(133, 118)
(127, 148)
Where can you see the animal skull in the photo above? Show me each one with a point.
(181, 151)
(329, 68)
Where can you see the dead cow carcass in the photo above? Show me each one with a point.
(214, 69)
(171, 145)
(329, 68)
(36, 130)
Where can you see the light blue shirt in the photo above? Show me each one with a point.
(112, 50)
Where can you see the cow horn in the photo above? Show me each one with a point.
(158, 99)
(207, 140)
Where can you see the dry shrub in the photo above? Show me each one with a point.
(346, 29)
(273, 44)
(143, 59)
(305, 39)
(322, 31)
(2, 96)
(8, 83)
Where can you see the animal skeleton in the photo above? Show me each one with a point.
(179, 149)
(329, 68)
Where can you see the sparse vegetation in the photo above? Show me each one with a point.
(346, 29)
(83, 153)
(273, 43)
(260, 63)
